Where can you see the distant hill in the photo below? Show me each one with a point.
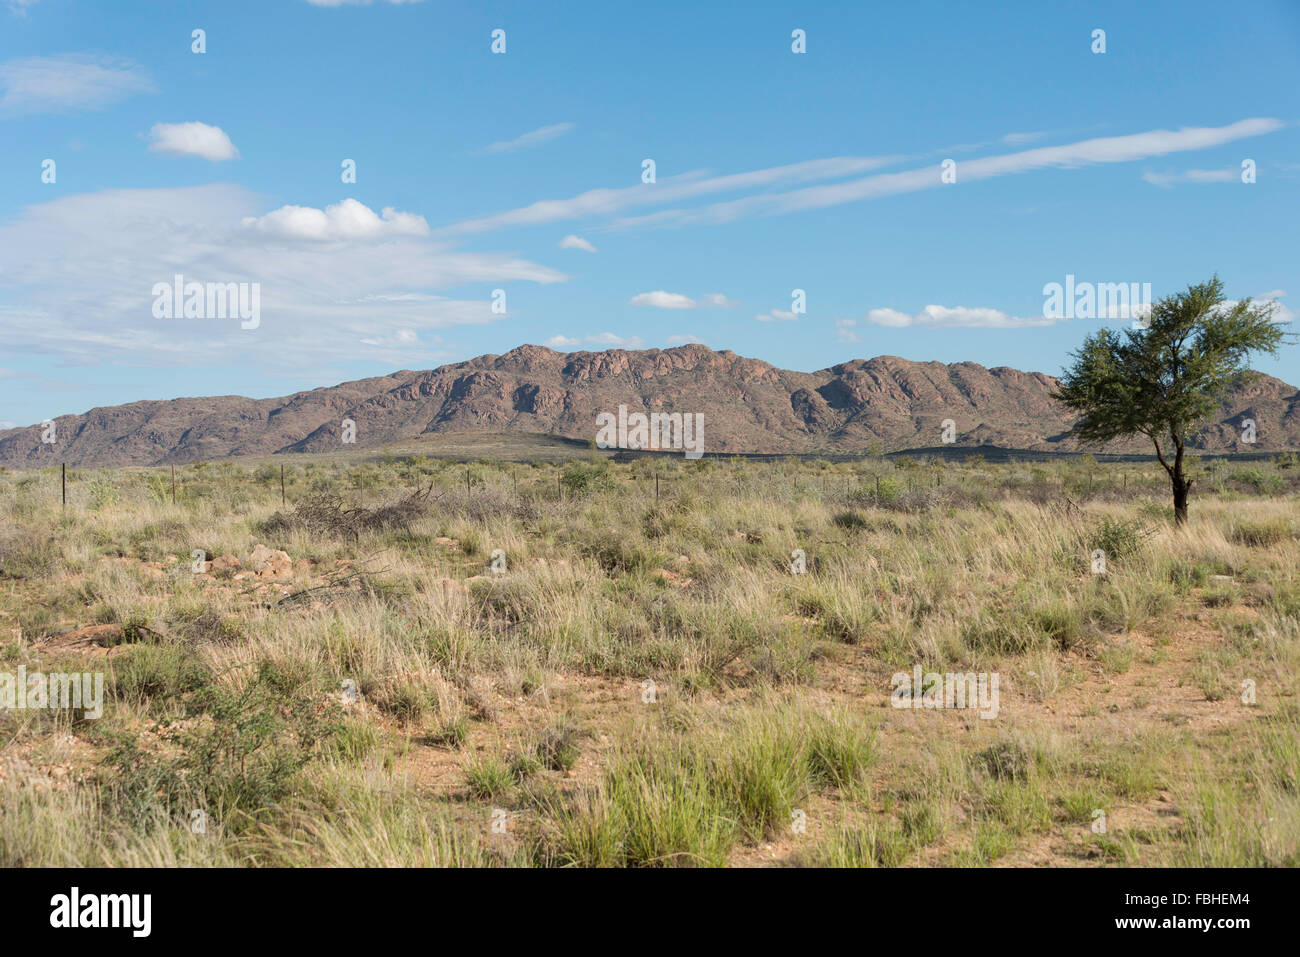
(748, 406)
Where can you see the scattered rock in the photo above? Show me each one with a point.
(270, 562)
(450, 586)
(222, 563)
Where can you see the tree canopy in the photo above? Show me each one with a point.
(1168, 374)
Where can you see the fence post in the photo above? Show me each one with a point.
(173, 484)
(656, 489)
(65, 485)
(282, 485)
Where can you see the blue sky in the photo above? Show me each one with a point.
(775, 171)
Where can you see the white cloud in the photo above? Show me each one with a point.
(775, 314)
(57, 84)
(663, 300)
(535, 138)
(599, 202)
(717, 300)
(1020, 139)
(20, 6)
(844, 330)
(960, 317)
(78, 274)
(685, 340)
(696, 184)
(576, 242)
(1281, 313)
(608, 340)
(675, 300)
(1166, 180)
(1112, 149)
(192, 139)
(602, 340)
(342, 221)
(963, 317)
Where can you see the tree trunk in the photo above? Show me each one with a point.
(1177, 477)
(1181, 483)
(1180, 500)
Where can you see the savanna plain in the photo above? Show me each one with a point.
(409, 660)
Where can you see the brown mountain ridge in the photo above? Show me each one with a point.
(749, 406)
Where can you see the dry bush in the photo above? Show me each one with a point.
(327, 514)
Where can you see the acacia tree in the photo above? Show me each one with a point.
(1168, 374)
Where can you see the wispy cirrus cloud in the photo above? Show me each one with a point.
(60, 84)
(192, 139)
(534, 138)
(1168, 180)
(602, 202)
(599, 203)
(846, 330)
(1110, 149)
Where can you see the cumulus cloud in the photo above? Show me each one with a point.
(602, 340)
(192, 139)
(562, 342)
(963, 317)
(663, 300)
(675, 300)
(342, 221)
(576, 242)
(954, 317)
(777, 314)
(685, 340)
(716, 300)
(1281, 312)
(608, 340)
(59, 84)
(535, 138)
(78, 274)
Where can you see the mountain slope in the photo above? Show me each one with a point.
(748, 406)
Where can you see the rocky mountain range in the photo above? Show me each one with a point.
(748, 406)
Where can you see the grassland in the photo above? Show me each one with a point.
(551, 664)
